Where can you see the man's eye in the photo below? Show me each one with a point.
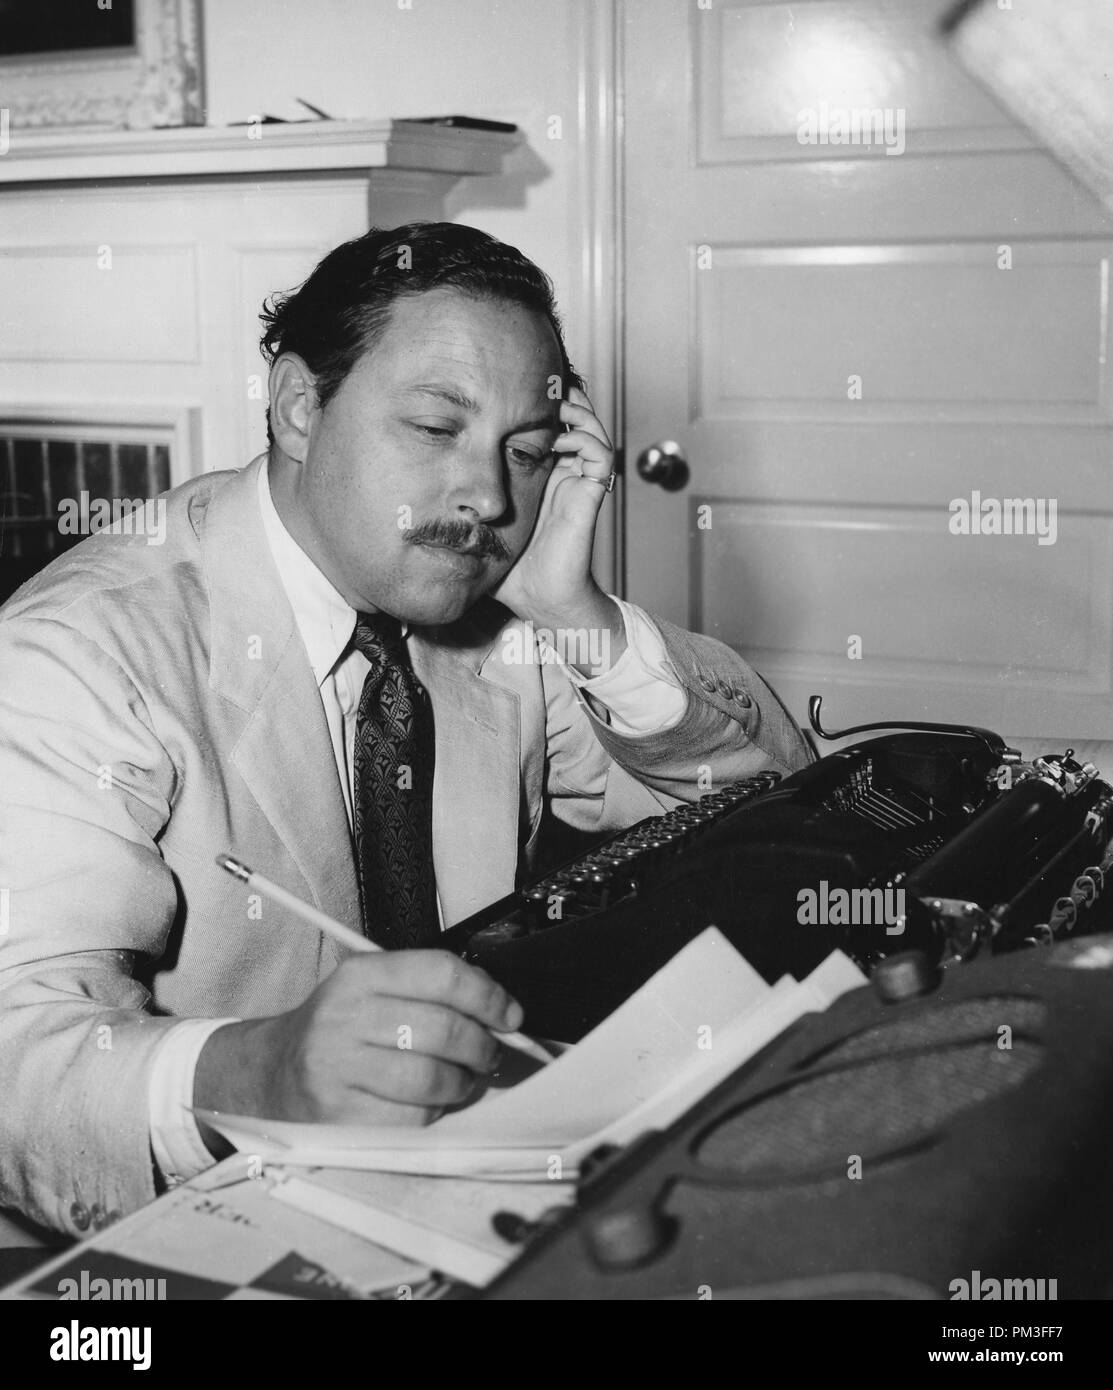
(528, 458)
(434, 431)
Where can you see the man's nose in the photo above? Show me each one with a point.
(481, 484)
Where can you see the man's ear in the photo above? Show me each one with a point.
(293, 404)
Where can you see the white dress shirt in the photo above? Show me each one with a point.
(639, 695)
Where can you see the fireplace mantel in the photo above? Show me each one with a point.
(133, 264)
(252, 151)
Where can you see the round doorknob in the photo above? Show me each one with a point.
(665, 465)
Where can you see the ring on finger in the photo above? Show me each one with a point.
(607, 483)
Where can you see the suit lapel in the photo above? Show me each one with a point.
(258, 662)
(285, 757)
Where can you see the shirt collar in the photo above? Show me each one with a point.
(325, 620)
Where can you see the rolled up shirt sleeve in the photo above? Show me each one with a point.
(641, 693)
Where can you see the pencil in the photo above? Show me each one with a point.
(314, 917)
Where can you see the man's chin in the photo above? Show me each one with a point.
(436, 595)
(441, 605)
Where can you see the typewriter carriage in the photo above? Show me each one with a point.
(989, 852)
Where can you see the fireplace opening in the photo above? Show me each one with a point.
(58, 483)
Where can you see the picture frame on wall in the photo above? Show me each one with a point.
(135, 64)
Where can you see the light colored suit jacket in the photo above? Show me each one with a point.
(157, 707)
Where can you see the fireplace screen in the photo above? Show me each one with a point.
(59, 484)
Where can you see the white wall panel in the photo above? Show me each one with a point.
(100, 300)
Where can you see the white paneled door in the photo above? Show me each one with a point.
(870, 316)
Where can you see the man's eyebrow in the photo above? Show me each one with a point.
(445, 393)
(465, 402)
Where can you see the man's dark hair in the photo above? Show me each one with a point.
(339, 313)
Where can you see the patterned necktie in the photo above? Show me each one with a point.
(393, 813)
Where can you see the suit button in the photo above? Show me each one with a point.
(79, 1215)
(708, 682)
(98, 1216)
(742, 698)
(724, 690)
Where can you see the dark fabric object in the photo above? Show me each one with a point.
(393, 812)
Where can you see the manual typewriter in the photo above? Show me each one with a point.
(981, 851)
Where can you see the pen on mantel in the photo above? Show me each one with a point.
(314, 917)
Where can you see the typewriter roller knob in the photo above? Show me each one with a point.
(905, 976)
(628, 1237)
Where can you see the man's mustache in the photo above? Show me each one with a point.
(480, 541)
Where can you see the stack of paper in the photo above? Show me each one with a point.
(465, 1228)
(697, 1020)
(451, 1195)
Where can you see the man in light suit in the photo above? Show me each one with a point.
(431, 447)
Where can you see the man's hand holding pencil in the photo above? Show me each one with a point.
(389, 1038)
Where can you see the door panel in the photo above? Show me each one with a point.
(846, 341)
(758, 65)
(932, 330)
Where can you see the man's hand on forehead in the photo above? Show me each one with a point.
(551, 584)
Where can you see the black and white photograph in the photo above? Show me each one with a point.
(556, 664)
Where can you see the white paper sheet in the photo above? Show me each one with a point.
(445, 1223)
(671, 1042)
